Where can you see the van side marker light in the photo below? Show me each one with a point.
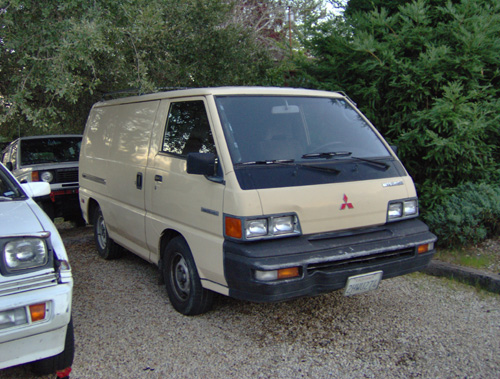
(425, 248)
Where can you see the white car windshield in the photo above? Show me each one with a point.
(9, 189)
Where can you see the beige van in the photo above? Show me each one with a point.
(262, 194)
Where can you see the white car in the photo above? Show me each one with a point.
(36, 283)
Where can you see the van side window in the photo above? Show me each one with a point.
(188, 130)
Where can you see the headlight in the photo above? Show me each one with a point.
(47, 176)
(256, 228)
(25, 253)
(401, 209)
(266, 227)
(283, 225)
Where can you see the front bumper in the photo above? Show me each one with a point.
(36, 340)
(326, 260)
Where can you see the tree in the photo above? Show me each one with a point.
(429, 79)
(58, 58)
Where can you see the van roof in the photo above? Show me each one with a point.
(221, 91)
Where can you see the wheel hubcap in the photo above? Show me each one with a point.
(182, 282)
(102, 233)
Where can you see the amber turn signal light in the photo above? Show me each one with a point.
(37, 312)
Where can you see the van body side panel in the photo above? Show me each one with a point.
(94, 156)
(125, 151)
(187, 204)
(178, 197)
(129, 152)
(238, 202)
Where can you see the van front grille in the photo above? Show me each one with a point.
(354, 262)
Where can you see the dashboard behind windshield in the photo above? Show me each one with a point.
(269, 128)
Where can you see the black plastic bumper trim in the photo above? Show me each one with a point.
(325, 263)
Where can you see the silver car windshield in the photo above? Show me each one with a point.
(289, 128)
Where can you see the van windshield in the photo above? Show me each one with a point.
(270, 128)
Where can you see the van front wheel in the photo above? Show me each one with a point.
(106, 247)
(182, 281)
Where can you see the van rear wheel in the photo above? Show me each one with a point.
(106, 247)
(182, 281)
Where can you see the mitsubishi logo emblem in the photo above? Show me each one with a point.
(346, 204)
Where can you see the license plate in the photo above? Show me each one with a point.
(362, 283)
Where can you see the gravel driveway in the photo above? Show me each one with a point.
(412, 326)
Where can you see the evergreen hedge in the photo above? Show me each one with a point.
(428, 77)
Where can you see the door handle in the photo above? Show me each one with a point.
(138, 180)
(158, 178)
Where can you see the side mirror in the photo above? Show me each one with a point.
(201, 164)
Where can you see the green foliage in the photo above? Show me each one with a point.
(470, 214)
(58, 58)
(428, 76)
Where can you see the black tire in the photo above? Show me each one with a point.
(48, 208)
(182, 281)
(78, 221)
(106, 247)
(60, 361)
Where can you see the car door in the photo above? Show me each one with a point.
(188, 204)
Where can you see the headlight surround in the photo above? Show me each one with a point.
(402, 209)
(25, 253)
(266, 227)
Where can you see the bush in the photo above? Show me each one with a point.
(426, 73)
(469, 215)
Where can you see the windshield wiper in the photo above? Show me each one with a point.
(289, 162)
(334, 154)
(5, 198)
(327, 155)
(268, 162)
(383, 165)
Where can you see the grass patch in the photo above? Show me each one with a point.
(466, 257)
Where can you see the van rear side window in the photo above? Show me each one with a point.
(188, 129)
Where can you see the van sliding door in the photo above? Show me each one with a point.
(126, 168)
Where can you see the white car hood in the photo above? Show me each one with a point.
(17, 217)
